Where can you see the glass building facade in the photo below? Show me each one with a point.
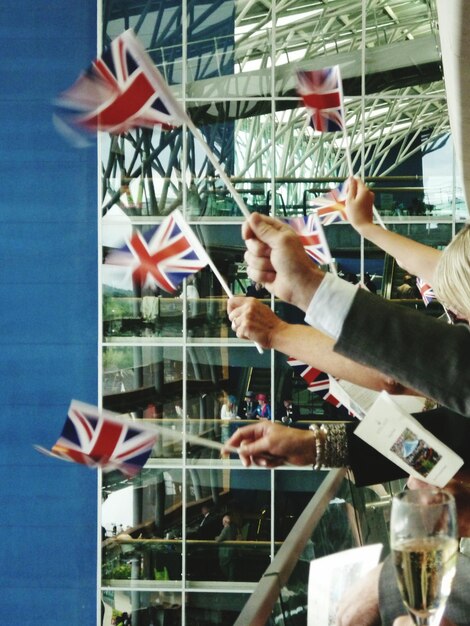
(172, 359)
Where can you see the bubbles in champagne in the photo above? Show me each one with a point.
(425, 569)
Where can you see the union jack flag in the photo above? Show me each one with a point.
(334, 207)
(103, 439)
(121, 90)
(163, 256)
(312, 237)
(318, 382)
(426, 291)
(321, 92)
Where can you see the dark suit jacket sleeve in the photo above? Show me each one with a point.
(421, 352)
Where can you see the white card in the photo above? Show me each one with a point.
(396, 434)
(359, 400)
(330, 577)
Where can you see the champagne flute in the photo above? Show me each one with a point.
(423, 537)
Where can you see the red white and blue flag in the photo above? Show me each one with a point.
(322, 94)
(426, 291)
(103, 439)
(331, 206)
(313, 239)
(318, 382)
(121, 90)
(163, 256)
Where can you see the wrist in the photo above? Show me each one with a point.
(365, 229)
(306, 288)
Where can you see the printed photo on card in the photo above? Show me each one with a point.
(416, 452)
(396, 434)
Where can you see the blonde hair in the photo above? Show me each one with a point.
(451, 282)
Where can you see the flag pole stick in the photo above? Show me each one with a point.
(203, 254)
(226, 288)
(213, 159)
(348, 147)
(161, 85)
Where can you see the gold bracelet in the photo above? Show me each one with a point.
(321, 435)
(331, 446)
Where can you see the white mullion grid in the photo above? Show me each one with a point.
(184, 79)
(454, 191)
(363, 120)
(273, 203)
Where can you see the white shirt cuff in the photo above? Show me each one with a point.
(330, 305)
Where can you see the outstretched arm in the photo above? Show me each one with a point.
(255, 321)
(414, 257)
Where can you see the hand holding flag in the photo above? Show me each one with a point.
(113, 442)
(166, 255)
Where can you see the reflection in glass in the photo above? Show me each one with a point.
(173, 359)
(143, 608)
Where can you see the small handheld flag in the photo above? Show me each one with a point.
(106, 440)
(121, 90)
(318, 382)
(426, 291)
(163, 256)
(312, 237)
(321, 93)
(331, 206)
(103, 439)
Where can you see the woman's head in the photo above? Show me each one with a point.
(452, 276)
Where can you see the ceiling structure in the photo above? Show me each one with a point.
(390, 60)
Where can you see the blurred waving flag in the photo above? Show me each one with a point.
(312, 236)
(103, 439)
(163, 256)
(426, 291)
(121, 90)
(318, 382)
(331, 206)
(322, 94)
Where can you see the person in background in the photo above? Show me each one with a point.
(408, 288)
(256, 290)
(227, 554)
(289, 413)
(263, 410)
(229, 409)
(248, 406)
(204, 528)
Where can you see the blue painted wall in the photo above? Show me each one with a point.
(48, 317)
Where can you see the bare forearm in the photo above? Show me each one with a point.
(414, 257)
(315, 348)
